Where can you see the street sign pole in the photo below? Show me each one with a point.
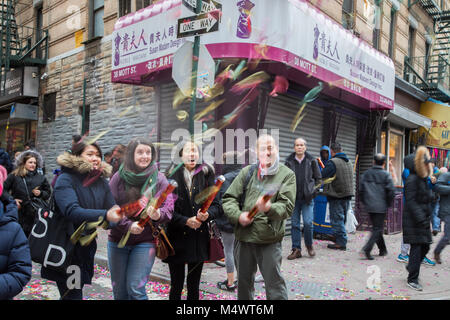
(194, 73)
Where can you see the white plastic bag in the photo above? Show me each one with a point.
(351, 222)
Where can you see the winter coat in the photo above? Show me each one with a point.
(78, 204)
(15, 259)
(266, 227)
(325, 161)
(5, 160)
(442, 187)
(376, 190)
(230, 174)
(118, 189)
(312, 176)
(190, 245)
(342, 186)
(418, 204)
(16, 187)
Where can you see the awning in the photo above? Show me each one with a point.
(407, 118)
(292, 32)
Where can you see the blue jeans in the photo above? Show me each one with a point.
(130, 268)
(338, 217)
(435, 221)
(307, 212)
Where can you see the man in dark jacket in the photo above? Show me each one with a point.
(15, 259)
(443, 188)
(417, 215)
(376, 192)
(339, 193)
(307, 176)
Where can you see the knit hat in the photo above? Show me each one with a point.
(3, 176)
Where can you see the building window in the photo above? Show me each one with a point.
(392, 33)
(124, 7)
(39, 18)
(377, 13)
(96, 18)
(86, 119)
(140, 4)
(411, 39)
(347, 14)
(49, 108)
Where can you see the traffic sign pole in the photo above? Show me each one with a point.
(195, 59)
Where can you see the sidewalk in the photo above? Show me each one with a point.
(330, 274)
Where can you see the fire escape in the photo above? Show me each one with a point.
(435, 76)
(20, 45)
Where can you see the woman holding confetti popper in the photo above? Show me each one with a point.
(131, 262)
(188, 230)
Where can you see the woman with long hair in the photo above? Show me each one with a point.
(188, 230)
(130, 265)
(82, 194)
(25, 184)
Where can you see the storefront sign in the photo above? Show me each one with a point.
(292, 32)
(439, 134)
(20, 82)
(13, 85)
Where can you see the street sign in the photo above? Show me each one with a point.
(182, 68)
(207, 5)
(198, 24)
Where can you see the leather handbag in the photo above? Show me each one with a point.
(215, 243)
(164, 248)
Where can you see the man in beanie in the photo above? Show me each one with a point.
(15, 259)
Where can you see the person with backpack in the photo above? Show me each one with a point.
(15, 259)
(259, 237)
(307, 176)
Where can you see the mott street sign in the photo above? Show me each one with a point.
(207, 5)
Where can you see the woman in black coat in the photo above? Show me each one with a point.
(82, 194)
(188, 230)
(25, 184)
(417, 215)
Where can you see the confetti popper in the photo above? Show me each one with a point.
(129, 209)
(252, 213)
(162, 197)
(219, 182)
(320, 163)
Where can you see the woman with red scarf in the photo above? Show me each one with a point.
(82, 194)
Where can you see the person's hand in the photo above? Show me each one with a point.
(193, 223)
(433, 179)
(135, 228)
(202, 216)
(36, 192)
(18, 202)
(154, 214)
(113, 214)
(244, 219)
(263, 206)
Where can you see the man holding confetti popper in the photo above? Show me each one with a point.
(270, 191)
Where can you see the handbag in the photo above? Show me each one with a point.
(49, 239)
(215, 243)
(164, 248)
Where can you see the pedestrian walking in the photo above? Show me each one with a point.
(308, 179)
(258, 238)
(82, 195)
(25, 184)
(230, 172)
(188, 231)
(442, 187)
(435, 221)
(131, 265)
(417, 215)
(339, 193)
(376, 192)
(15, 259)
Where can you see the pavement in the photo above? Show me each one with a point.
(330, 275)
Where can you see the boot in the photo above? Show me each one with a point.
(296, 253)
(311, 251)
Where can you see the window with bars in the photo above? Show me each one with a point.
(140, 4)
(96, 18)
(392, 33)
(124, 7)
(347, 14)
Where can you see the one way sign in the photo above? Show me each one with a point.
(198, 24)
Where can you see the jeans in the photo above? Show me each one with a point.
(307, 213)
(377, 232)
(130, 269)
(417, 252)
(445, 240)
(338, 216)
(228, 248)
(435, 221)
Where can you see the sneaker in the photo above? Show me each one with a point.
(415, 286)
(403, 258)
(428, 262)
(295, 254)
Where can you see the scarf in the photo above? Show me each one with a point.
(91, 177)
(272, 170)
(142, 179)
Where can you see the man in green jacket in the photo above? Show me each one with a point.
(259, 238)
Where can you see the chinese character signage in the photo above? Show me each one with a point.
(291, 32)
(439, 134)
